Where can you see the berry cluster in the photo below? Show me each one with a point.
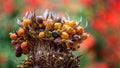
(49, 31)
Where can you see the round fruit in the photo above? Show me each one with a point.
(69, 30)
(57, 26)
(64, 35)
(55, 34)
(84, 36)
(39, 20)
(66, 23)
(13, 36)
(65, 26)
(14, 42)
(26, 22)
(18, 48)
(18, 54)
(24, 45)
(21, 32)
(41, 34)
(72, 23)
(79, 30)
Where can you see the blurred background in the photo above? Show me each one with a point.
(100, 50)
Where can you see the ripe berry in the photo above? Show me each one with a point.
(84, 36)
(41, 34)
(24, 45)
(21, 32)
(13, 36)
(69, 29)
(64, 35)
(26, 22)
(79, 30)
(57, 26)
(55, 34)
(72, 23)
(39, 20)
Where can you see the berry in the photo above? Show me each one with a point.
(18, 54)
(79, 30)
(24, 45)
(41, 34)
(84, 36)
(13, 36)
(39, 20)
(69, 29)
(14, 42)
(55, 34)
(21, 32)
(18, 48)
(64, 35)
(26, 22)
(65, 26)
(72, 23)
(57, 26)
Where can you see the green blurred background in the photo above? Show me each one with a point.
(100, 50)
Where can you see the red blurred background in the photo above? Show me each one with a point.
(100, 50)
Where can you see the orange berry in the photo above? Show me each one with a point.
(69, 29)
(65, 26)
(26, 22)
(57, 26)
(13, 36)
(64, 35)
(24, 45)
(79, 30)
(66, 23)
(73, 32)
(84, 36)
(72, 23)
(21, 32)
(41, 34)
(24, 51)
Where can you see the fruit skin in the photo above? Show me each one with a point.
(18, 52)
(69, 30)
(64, 35)
(41, 34)
(39, 20)
(13, 36)
(72, 23)
(55, 34)
(24, 45)
(84, 36)
(26, 22)
(65, 26)
(57, 26)
(21, 32)
(79, 30)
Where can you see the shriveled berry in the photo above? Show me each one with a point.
(64, 35)
(21, 32)
(18, 54)
(55, 34)
(14, 42)
(39, 20)
(26, 22)
(18, 48)
(13, 36)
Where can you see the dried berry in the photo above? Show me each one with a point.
(55, 34)
(39, 20)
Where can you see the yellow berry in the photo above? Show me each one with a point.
(13, 36)
(57, 26)
(84, 36)
(69, 30)
(72, 23)
(73, 32)
(26, 22)
(21, 32)
(24, 45)
(65, 26)
(41, 34)
(79, 30)
(64, 35)
(66, 23)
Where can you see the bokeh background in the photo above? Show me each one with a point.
(100, 50)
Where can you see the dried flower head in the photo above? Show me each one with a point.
(48, 41)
